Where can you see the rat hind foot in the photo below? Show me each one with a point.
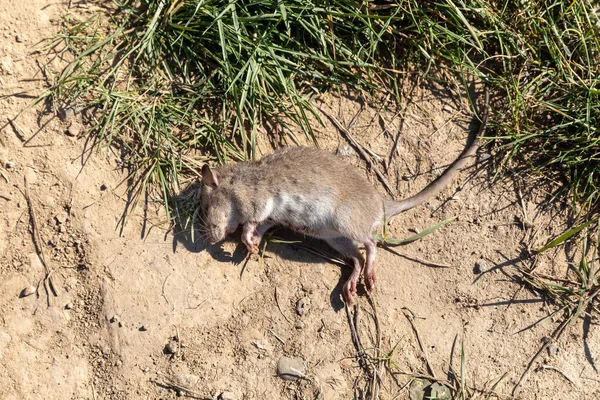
(349, 248)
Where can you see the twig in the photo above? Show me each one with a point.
(37, 242)
(550, 367)
(415, 258)
(361, 149)
(277, 337)
(163, 288)
(2, 172)
(409, 317)
(168, 383)
(280, 310)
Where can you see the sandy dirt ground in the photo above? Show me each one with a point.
(134, 312)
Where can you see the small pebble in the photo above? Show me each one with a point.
(114, 319)
(299, 325)
(28, 291)
(19, 38)
(10, 164)
(302, 306)
(227, 396)
(345, 150)
(479, 267)
(552, 349)
(172, 347)
(290, 369)
(61, 217)
(143, 328)
(74, 129)
(103, 187)
(69, 306)
(66, 114)
(484, 156)
(186, 379)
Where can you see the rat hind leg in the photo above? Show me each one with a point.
(349, 248)
(371, 251)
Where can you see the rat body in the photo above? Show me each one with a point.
(313, 192)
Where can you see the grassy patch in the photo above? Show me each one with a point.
(175, 82)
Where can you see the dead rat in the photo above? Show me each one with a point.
(313, 192)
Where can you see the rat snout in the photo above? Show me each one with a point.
(214, 236)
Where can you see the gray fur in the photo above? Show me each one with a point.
(310, 191)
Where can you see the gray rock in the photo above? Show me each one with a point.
(291, 369)
(66, 113)
(345, 150)
(172, 347)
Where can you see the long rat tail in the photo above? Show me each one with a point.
(394, 207)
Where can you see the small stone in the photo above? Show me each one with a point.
(143, 328)
(186, 379)
(172, 347)
(103, 187)
(484, 156)
(74, 129)
(69, 306)
(10, 164)
(227, 396)
(345, 150)
(346, 363)
(61, 217)
(28, 291)
(299, 325)
(417, 388)
(66, 114)
(290, 369)
(479, 267)
(19, 38)
(53, 241)
(552, 349)
(302, 306)
(114, 319)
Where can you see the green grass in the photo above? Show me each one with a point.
(174, 83)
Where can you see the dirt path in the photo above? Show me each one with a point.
(124, 303)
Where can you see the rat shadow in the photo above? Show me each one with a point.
(288, 245)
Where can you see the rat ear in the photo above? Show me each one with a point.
(208, 177)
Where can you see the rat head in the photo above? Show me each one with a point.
(218, 209)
